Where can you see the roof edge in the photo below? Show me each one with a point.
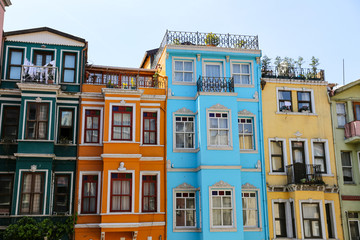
(347, 86)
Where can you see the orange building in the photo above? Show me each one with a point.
(120, 191)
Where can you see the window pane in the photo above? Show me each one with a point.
(223, 138)
(188, 77)
(319, 149)
(223, 123)
(216, 217)
(66, 118)
(216, 202)
(213, 137)
(276, 148)
(126, 119)
(180, 218)
(180, 203)
(245, 68)
(179, 140)
(277, 164)
(189, 140)
(245, 79)
(190, 218)
(226, 201)
(178, 76)
(15, 73)
(42, 129)
(354, 230)
(340, 108)
(188, 66)
(178, 65)
(190, 203)
(69, 61)
(213, 123)
(16, 57)
(345, 158)
(236, 68)
(311, 210)
(284, 95)
(43, 112)
(179, 126)
(213, 71)
(227, 221)
(304, 96)
(69, 75)
(117, 118)
(89, 121)
(341, 120)
(189, 127)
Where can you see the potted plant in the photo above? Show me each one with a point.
(155, 79)
(304, 109)
(176, 41)
(265, 62)
(133, 83)
(212, 40)
(285, 109)
(240, 44)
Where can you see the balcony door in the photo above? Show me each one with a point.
(42, 58)
(356, 111)
(213, 70)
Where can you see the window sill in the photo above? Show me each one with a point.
(69, 83)
(151, 145)
(223, 229)
(297, 113)
(219, 148)
(277, 173)
(350, 183)
(244, 85)
(327, 175)
(91, 144)
(34, 140)
(88, 214)
(65, 145)
(248, 151)
(250, 229)
(184, 83)
(186, 150)
(186, 229)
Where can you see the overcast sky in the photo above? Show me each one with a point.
(119, 32)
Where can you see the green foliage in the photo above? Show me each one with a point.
(314, 63)
(278, 61)
(265, 61)
(240, 44)
(300, 62)
(212, 39)
(29, 229)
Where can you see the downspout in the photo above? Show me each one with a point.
(165, 160)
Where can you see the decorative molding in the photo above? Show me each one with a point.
(121, 155)
(257, 60)
(184, 110)
(248, 186)
(218, 107)
(122, 102)
(134, 235)
(121, 167)
(198, 57)
(38, 100)
(185, 186)
(221, 184)
(227, 58)
(245, 113)
(256, 95)
(298, 134)
(33, 168)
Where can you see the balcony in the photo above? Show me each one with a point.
(39, 74)
(352, 132)
(123, 80)
(300, 173)
(285, 72)
(215, 84)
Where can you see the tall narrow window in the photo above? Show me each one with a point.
(32, 193)
(241, 73)
(149, 193)
(250, 209)
(121, 194)
(304, 101)
(293, 221)
(42, 58)
(246, 133)
(15, 61)
(89, 194)
(311, 220)
(92, 126)
(347, 167)
(222, 208)
(277, 156)
(285, 102)
(356, 111)
(149, 127)
(66, 127)
(184, 132)
(354, 225)
(341, 114)
(280, 220)
(329, 220)
(219, 129)
(298, 152)
(62, 193)
(122, 123)
(69, 67)
(184, 71)
(319, 156)
(10, 122)
(6, 189)
(37, 120)
(185, 209)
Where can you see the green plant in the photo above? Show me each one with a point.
(278, 61)
(314, 63)
(300, 62)
(240, 44)
(265, 61)
(176, 41)
(212, 39)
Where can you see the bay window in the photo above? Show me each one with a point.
(121, 193)
(32, 193)
(218, 128)
(37, 120)
(122, 123)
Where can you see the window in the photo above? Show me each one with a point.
(354, 225)
(347, 167)
(92, 126)
(89, 194)
(298, 152)
(250, 209)
(120, 199)
(213, 70)
(10, 122)
(277, 156)
(149, 193)
(69, 67)
(121, 123)
(66, 127)
(222, 208)
(285, 102)
(62, 193)
(219, 129)
(304, 101)
(311, 220)
(330, 220)
(6, 188)
(319, 156)
(280, 219)
(356, 111)
(185, 209)
(241, 73)
(15, 63)
(149, 127)
(184, 132)
(246, 133)
(37, 120)
(184, 71)
(42, 58)
(32, 193)
(341, 114)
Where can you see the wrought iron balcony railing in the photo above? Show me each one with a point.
(293, 73)
(352, 129)
(125, 81)
(39, 74)
(300, 173)
(215, 84)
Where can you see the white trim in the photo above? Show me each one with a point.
(81, 173)
(283, 140)
(133, 123)
(157, 110)
(83, 109)
(288, 218)
(230, 140)
(327, 155)
(210, 61)
(251, 63)
(6, 63)
(333, 218)
(184, 114)
(306, 150)
(108, 155)
(203, 167)
(255, 141)
(77, 65)
(90, 158)
(10, 99)
(259, 213)
(157, 173)
(53, 189)
(74, 123)
(123, 98)
(38, 95)
(1, 114)
(151, 158)
(183, 59)
(150, 105)
(67, 102)
(321, 217)
(18, 196)
(92, 102)
(313, 111)
(119, 225)
(132, 192)
(247, 100)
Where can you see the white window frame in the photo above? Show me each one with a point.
(215, 62)
(254, 126)
(76, 80)
(251, 72)
(153, 173)
(292, 90)
(218, 109)
(257, 208)
(98, 173)
(174, 135)
(306, 150)
(353, 220)
(101, 124)
(153, 110)
(74, 123)
(288, 217)
(322, 219)
(333, 218)
(352, 170)
(134, 125)
(71, 189)
(184, 59)
(327, 155)
(337, 114)
(283, 140)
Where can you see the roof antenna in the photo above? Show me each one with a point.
(343, 71)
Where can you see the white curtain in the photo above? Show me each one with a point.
(213, 71)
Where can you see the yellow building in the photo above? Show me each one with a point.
(302, 191)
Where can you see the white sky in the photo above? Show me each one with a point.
(119, 32)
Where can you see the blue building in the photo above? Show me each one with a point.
(215, 170)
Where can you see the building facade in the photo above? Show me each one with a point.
(40, 84)
(302, 188)
(215, 178)
(345, 108)
(120, 189)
